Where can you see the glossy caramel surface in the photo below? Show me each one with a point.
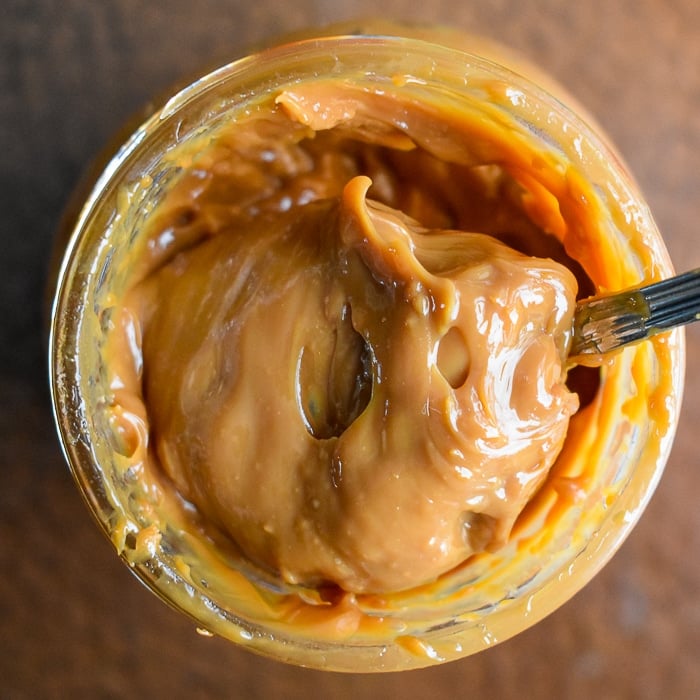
(355, 399)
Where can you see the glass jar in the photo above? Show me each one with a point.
(617, 444)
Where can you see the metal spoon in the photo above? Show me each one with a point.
(603, 324)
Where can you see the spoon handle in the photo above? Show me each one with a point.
(602, 324)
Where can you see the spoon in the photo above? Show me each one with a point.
(606, 323)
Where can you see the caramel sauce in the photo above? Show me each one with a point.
(348, 382)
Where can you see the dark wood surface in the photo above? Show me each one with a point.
(73, 621)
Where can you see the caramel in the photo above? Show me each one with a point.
(354, 390)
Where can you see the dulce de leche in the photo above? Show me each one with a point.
(335, 359)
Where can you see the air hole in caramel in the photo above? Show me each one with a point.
(334, 385)
(477, 530)
(584, 381)
(185, 217)
(453, 357)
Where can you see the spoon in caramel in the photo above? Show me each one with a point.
(605, 323)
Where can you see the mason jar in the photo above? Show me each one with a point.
(617, 443)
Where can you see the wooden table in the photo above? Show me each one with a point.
(73, 621)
